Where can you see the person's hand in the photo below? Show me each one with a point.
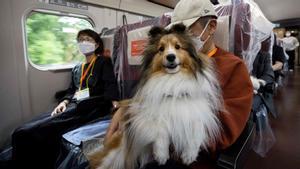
(60, 108)
(255, 83)
(262, 82)
(116, 105)
(114, 125)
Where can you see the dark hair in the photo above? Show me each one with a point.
(96, 37)
(266, 44)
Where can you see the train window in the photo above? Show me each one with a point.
(51, 39)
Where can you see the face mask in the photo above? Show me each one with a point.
(197, 40)
(86, 47)
(287, 34)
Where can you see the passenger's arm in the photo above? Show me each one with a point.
(60, 108)
(116, 120)
(268, 73)
(114, 125)
(277, 66)
(256, 84)
(278, 57)
(237, 94)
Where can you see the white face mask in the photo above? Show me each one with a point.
(86, 47)
(197, 39)
(288, 34)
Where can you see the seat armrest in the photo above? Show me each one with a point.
(60, 94)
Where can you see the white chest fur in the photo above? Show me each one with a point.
(176, 109)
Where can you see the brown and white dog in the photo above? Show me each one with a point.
(176, 105)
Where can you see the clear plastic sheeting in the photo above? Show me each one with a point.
(242, 28)
(74, 158)
(249, 28)
(224, 2)
(221, 36)
(281, 44)
(264, 137)
(80, 142)
(85, 133)
(272, 41)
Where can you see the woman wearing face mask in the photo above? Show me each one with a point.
(36, 144)
(94, 77)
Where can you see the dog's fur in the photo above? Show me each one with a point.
(175, 105)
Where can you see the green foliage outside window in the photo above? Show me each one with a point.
(51, 39)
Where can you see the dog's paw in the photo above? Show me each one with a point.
(188, 157)
(161, 157)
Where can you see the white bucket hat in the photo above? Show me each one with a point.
(189, 11)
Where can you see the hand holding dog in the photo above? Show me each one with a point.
(114, 125)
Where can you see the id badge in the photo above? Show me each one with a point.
(82, 94)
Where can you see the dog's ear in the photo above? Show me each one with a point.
(155, 31)
(178, 28)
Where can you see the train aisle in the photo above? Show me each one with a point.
(285, 154)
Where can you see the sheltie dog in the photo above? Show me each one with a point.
(175, 106)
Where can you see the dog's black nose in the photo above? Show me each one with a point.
(171, 57)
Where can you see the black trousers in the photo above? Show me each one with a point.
(36, 144)
(291, 60)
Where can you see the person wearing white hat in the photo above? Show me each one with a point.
(200, 17)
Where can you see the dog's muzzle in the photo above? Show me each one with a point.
(171, 63)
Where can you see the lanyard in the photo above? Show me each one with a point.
(87, 79)
(83, 74)
(212, 52)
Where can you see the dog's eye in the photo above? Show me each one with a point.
(177, 46)
(161, 49)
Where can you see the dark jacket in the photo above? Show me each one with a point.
(278, 55)
(42, 136)
(101, 80)
(262, 69)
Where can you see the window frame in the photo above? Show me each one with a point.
(59, 67)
